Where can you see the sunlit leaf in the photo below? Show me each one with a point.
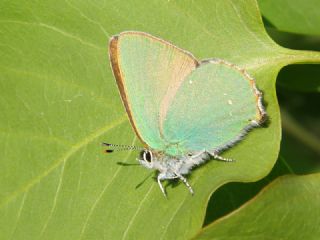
(59, 101)
(296, 16)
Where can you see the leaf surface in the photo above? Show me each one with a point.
(295, 16)
(59, 101)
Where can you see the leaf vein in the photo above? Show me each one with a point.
(54, 201)
(136, 213)
(55, 29)
(89, 19)
(102, 193)
(76, 147)
(19, 214)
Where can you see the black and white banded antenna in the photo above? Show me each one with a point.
(120, 147)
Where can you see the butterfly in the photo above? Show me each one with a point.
(183, 110)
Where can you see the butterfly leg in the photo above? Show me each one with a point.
(160, 177)
(184, 180)
(216, 156)
(163, 176)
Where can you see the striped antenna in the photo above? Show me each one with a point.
(118, 147)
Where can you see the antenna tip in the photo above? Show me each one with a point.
(106, 144)
(108, 151)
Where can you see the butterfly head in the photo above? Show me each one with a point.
(158, 160)
(146, 158)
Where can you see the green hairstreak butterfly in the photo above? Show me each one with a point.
(183, 110)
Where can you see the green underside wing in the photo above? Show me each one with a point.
(150, 71)
(213, 106)
(177, 104)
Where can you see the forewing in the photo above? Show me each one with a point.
(148, 71)
(214, 107)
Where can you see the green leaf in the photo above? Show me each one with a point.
(59, 101)
(296, 16)
(300, 78)
(288, 208)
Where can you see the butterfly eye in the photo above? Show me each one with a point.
(147, 156)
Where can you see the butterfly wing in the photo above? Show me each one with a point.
(214, 107)
(148, 72)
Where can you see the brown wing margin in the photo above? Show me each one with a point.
(113, 55)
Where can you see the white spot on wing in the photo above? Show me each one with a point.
(190, 81)
(230, 102)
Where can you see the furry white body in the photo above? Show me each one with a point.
(175, 167)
